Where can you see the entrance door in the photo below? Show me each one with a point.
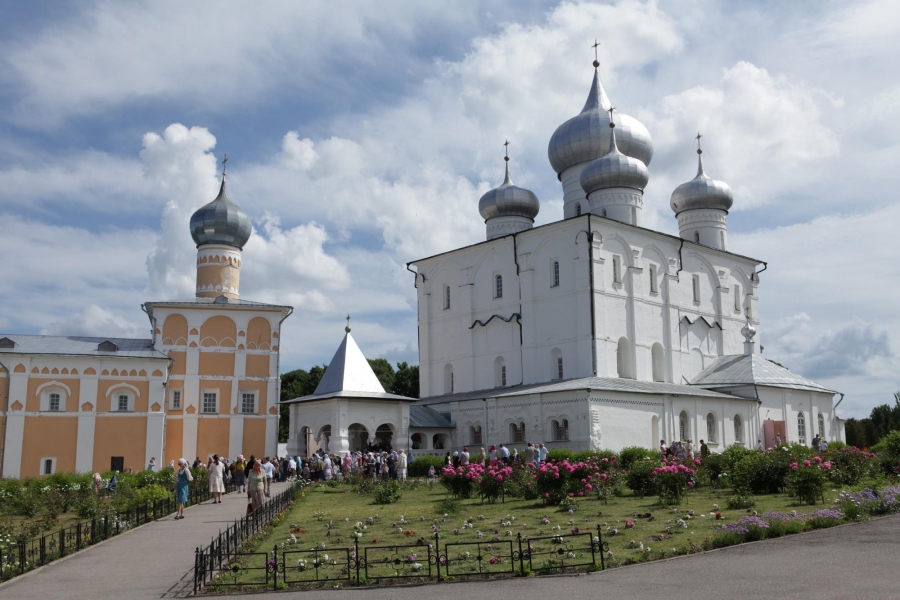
(117, 463)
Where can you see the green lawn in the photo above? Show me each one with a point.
(329, 519)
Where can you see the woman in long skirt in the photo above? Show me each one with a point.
(240, 477)
(326, 466)
(183, 480)
(256, 485)
(216, 479)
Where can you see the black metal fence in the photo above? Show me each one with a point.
(39, 551)
(223, 564)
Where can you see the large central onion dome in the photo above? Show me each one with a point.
(221, 222)
(701, 192)
(614, 170)
(509, 200)
(585, 137)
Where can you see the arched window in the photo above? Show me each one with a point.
(711, 429)
(722, 240)
(418, 441)
(684, 425)
(448, 378)
(653, 285)
(697, 236)
(634, 216)
(801, 429)
(557, 366)
(475, 434)
(498, 286)
(54, 401)
(738, 429)
(623, 359)
(617, 270)
(658, 358)
(561, 430)
(446, 297)
(577, 209)
(738, 301)
(821, 425)
(517, 432)
(555, 278)
(499, 372)
(695, 286)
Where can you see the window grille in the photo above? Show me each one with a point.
(54, 402)
(176, 399)
(122, 402)
(559, 367)
(498, 286)
(209, 402)
(248, 403)
(801, 429)
(555, 273)
(711, 428)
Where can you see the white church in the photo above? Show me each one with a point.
(590, 332)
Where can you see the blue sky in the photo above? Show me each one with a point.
(361, 135)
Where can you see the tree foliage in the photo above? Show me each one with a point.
(865, 433)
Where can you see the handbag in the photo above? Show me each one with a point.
(249, 508)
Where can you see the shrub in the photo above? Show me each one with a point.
(738, 502)
(628, 456)
(808, 479)
(151, 493)
(493, 482)
(447, 506)
(674, 478)
(888, 451)
(838, 445)
(592, 455)
(560, 454)
(387, 492)
(88, 507)
(420, 466)
(461, 481)
(851, 465)
(639, 477)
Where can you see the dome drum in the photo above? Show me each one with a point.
(508, 203)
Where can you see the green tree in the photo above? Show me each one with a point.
(383, 371)
(406, 380)
(295, 384)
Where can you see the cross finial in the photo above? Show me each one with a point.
(595, 46)
(506, 150)
(347, 328)
(699, 151)
(610, 111)
(224, 162)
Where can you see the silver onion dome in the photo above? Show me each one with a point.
(701, 192)
(614, 170)
(585, 137)
(509, 200)
(221, 222)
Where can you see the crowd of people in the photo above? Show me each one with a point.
(497, 454)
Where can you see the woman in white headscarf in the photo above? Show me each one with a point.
(326, 466)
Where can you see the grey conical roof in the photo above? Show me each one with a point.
(221, 222)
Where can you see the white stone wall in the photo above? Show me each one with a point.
(479, 328)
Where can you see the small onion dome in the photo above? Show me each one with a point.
(614, 170)
(509, 200)
(701, 192)
(221, 222)
(585, 137)
(748, 331)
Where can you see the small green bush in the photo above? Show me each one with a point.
(419, 467)
(640, 479)
(387, 492)
(447, 506)
(628, 456)
(738, 502)
(151, 493)
(560, 454)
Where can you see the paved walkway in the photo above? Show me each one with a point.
(853, 561)
(148, 562)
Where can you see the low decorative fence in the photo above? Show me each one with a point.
(224, 562)
(223, 565)
(39, 551)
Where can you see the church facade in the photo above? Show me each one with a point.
(205, 382)
(595, 332)
(590, 332)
